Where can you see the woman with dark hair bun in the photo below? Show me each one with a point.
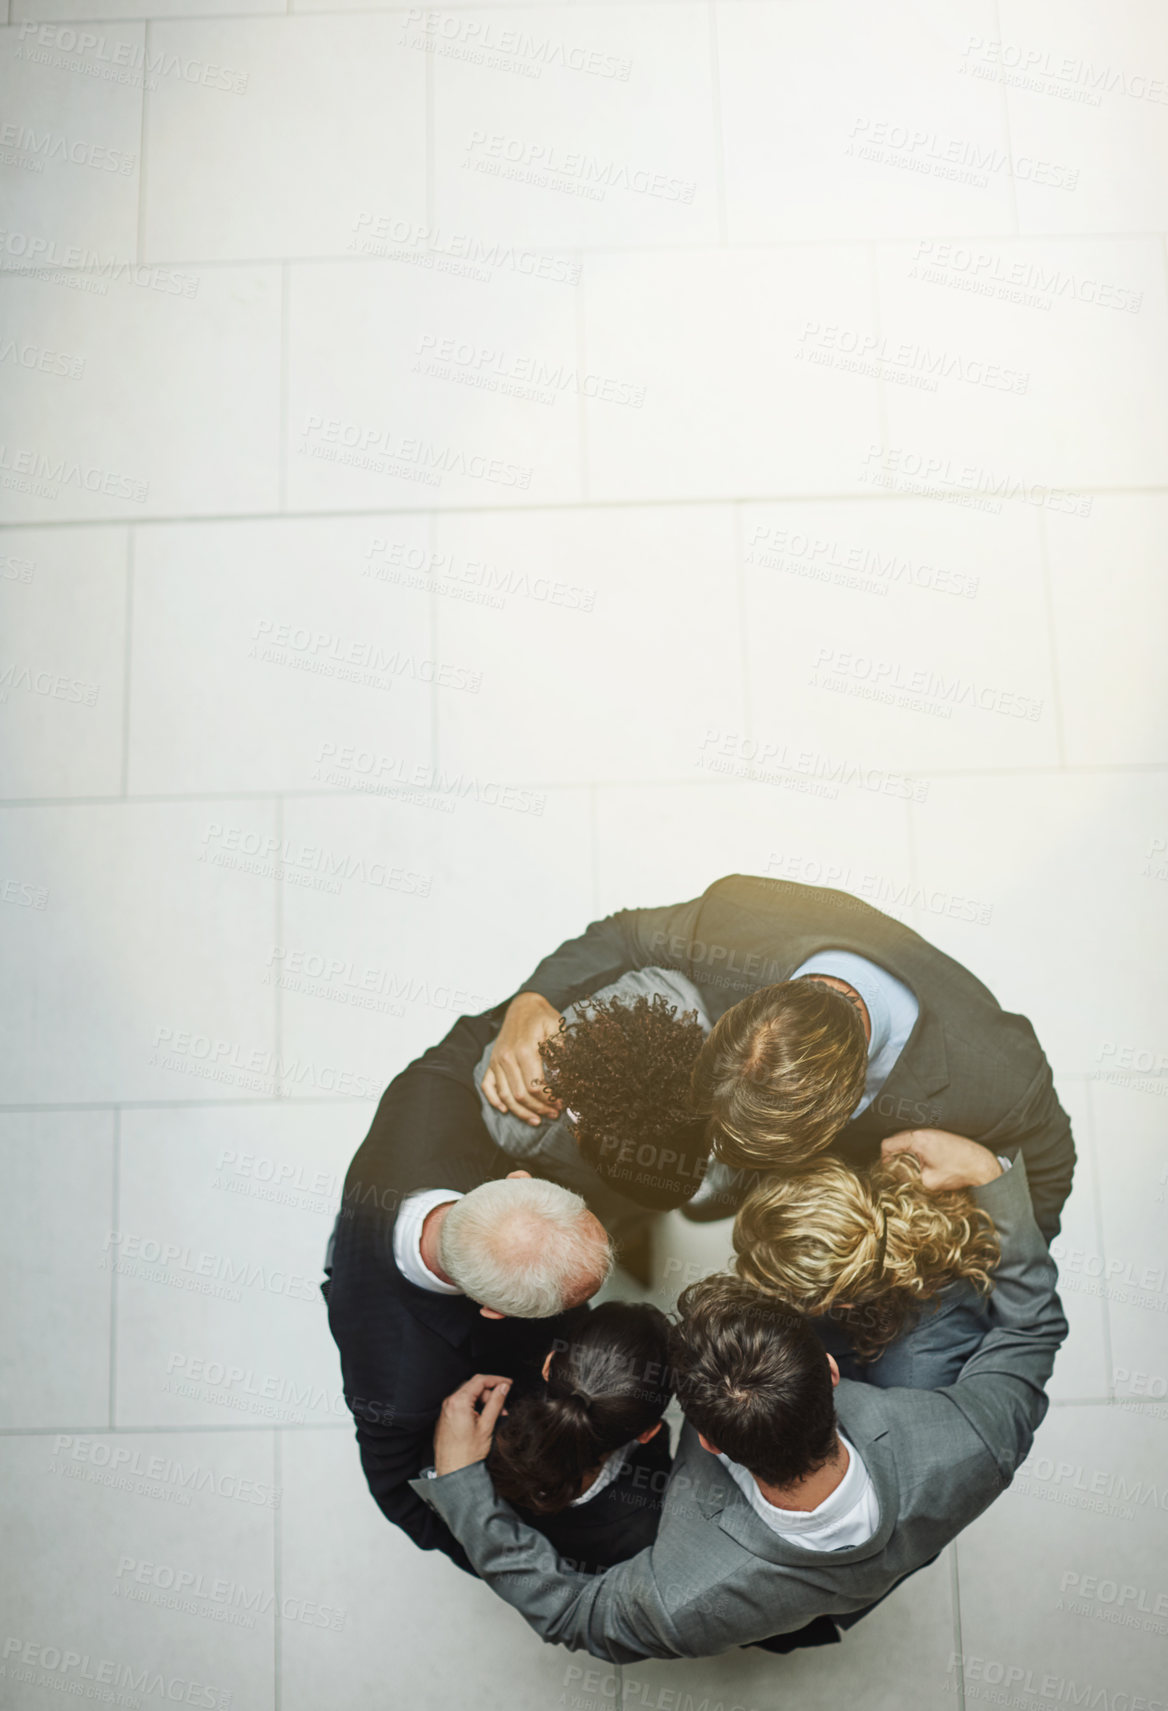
(584, 1455)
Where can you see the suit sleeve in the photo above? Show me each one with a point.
(618, 1615)
(1041, 1130)
(1002, 1388)
(632, 938)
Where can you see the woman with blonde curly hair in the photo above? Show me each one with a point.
(873, 1254)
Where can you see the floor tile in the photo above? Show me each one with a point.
(113, 443)
(308, 123)
(902, 633)
(263, 651)
(72, 147)
(844, 120)
(1082, 1531)
(981, 397)
(463, 395)
(581, 625)
(1086, 88)
(140, 1564)
(62, 613)
(128, 1003)
(595, 127)
(711, 425)
(1061, 860)
(222, 1221)
(59, 1170)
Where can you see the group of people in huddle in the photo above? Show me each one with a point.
(858, 1384)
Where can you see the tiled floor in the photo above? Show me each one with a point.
(465, 471)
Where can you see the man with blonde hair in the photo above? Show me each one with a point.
(834, 1026)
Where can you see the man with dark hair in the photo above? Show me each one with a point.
(854, 1029)
(828, 1509)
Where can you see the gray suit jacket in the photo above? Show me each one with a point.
(717, 1576)
(969, 1066)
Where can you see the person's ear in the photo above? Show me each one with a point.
(489, 1313)
(707, 1445)
(834, 1370)
(546, 1367)
(651, 1433)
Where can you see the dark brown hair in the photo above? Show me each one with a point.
(753, 1378)
(780, 1074)
(623, 1070)
(608, 1385)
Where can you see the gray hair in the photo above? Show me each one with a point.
(521, 1247)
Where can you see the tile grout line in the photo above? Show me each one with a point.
(114, 1225)
(126, 662)
(277, 1553)
(277, 990)
(1056, 695)
(958, 1640)
(689, 501)
(581, 368)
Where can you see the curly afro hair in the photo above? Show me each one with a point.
(622, 1071)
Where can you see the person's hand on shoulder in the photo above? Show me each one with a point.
(947, 1161)
(465, 1429)
(515, 1073)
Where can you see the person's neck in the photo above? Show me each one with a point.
(853, 997)
(808, 1493)
(428, 1244)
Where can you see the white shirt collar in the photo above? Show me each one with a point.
(607, 1474)
(847, 1517)
(407, 1239)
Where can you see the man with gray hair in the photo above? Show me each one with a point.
(442, 1266)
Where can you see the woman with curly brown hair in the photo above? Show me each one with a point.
(870, 1255)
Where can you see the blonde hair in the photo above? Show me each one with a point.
(870, 1248)
(780, 1074)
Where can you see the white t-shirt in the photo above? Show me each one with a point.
(846, 1518)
